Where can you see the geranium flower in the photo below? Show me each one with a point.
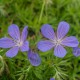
(34, 58)
(57, 40)
(16, 41)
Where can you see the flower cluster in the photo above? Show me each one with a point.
(57, 40)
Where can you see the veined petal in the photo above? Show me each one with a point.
(59, 51)
(45, 45)
(34, 58)
(6, 42)
(48, 31)
(62, 30)
(76, 51)
(70, 41)
(25, 46)
(24, 34)
(12, 52)
(13, 31)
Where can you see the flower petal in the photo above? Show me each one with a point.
(62, 30)
(45, 45)
(70, 41)
(6, 43)
(24, 34)
(59, 51)
(76, 51)
(25, 46)
(13, 31)
(34, 58)
(52, 79)
(48, 31)
(12, 52)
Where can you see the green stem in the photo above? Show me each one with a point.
(41, 13)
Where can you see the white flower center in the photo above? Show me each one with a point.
(57, 42)
(19, 43)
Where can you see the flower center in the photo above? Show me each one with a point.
(57, 42)
(19, 43)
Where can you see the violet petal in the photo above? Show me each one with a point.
(59, 51)
(70, 41)
(12, 52)
(24, 34)
(6, 42)
(13, 31)
(25, 46)
(62, 30)
(76, 51)
(34, 58)
(45, 45)
(48, 31)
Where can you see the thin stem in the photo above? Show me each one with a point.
(41, 13)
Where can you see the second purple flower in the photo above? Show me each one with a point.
(57, 40)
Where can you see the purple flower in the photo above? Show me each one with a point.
(52, 79)
(57, 40)
(34, 58)
(16, 41)
(76, 51)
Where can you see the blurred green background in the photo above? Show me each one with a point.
(35, 13)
